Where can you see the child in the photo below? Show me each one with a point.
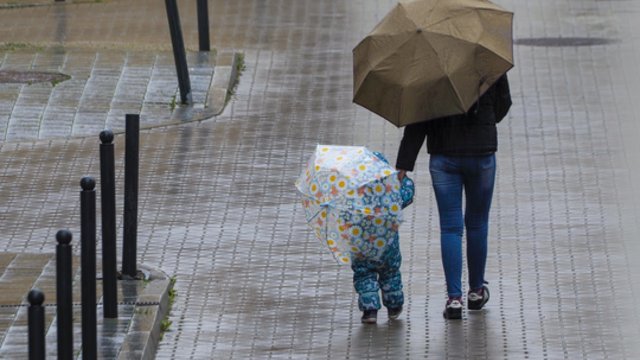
(375, 257)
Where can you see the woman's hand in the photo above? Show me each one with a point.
(401, 174)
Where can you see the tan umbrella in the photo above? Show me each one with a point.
(432, 58)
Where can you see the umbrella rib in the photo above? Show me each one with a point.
(473, 43)
(466, 12)
(383, 58)
(447, 77)
(458, 95)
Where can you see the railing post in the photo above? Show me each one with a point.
(131, 164)
(36, 325)
(179, 54)
(88, 266)
(64, 308)
(203, 25)
(108, 200)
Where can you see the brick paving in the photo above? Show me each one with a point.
(134, 333)
(104, 86)
(219, 211)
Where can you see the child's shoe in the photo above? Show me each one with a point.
(394, 312)
(453, 309)
(369, 316)
(477, 298)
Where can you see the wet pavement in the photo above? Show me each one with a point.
(133, 334)
(219, 211)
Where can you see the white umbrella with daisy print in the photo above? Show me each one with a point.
(352, 201)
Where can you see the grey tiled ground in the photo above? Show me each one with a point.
(219, 210)
(105, 85)
(134, 333)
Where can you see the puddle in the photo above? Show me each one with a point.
(564, 41)
(31, 77)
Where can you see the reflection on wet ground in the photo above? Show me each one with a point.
(219, 211)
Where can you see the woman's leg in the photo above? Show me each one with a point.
(479, 181)
(447, 185)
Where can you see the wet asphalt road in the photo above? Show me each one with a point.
(219, 211)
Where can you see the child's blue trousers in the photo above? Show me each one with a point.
(369, 276)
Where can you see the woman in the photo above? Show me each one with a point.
(462, 157)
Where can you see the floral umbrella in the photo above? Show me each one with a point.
(352, 200)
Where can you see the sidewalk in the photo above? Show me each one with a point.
(134, 334)
(97, 82)
(219, 212)
(57, 91)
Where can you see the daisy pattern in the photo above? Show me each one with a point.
(352, 201)
(386, 201)
(380, 243)
(314, 188)
(342, 184)
(325, 187)
(356, 231)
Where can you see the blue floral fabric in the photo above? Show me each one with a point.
(407, 186)
(371, 275)
(407, 191)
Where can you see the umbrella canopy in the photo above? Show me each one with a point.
(432, 58)
(352, 201)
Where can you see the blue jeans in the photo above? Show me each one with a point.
(371, 276)
(476, 175)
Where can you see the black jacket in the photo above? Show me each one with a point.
(473, 133)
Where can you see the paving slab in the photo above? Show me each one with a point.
(103, 87)
(218, 208)
(142, 306)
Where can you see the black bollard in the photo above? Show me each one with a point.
(36, 325)
(88, 266)
(64, 308)
(203, 25)
(179, 53)
(108, 199)
(131, 163)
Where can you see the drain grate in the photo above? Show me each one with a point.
(31, 77)
(564, 41)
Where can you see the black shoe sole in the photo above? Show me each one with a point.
(394, 313)
(478, 305)
(394, 316)
(452, 314)
(369, 318)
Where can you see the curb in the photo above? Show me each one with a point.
(143, 305)
(145, 330)
(224, 78)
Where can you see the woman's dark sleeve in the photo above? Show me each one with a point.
(503, 98)
(410, 145)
